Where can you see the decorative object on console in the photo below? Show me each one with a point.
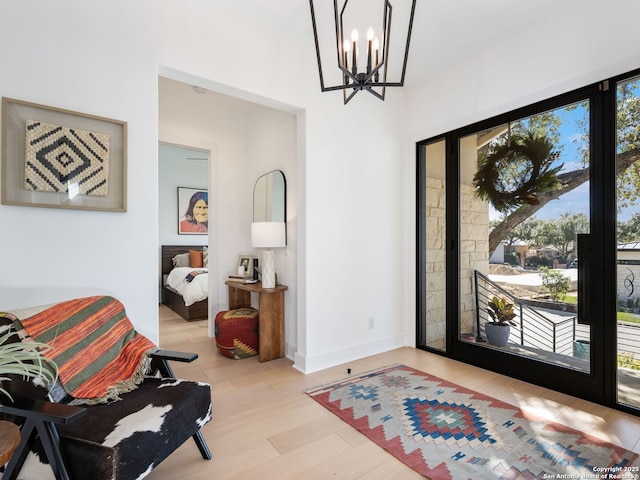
(268, 235)
(373, 76)
(246, 262)
(59, 158)
(255, 269)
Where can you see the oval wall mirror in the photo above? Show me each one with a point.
(270, 198)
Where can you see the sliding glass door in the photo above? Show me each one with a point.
(432, 285)
(627, 281)
(516, 222)
(525, 210)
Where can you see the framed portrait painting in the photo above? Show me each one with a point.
(57, 158)
(193, 211)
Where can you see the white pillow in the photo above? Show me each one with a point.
(182, 260)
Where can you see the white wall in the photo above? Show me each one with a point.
(272, 145)
(580, 43)
(354, 165)
(69, 55)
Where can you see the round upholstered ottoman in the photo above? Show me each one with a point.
(237, 332)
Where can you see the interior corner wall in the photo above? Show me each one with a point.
(272, 145)
(355, 203)
(351, 192)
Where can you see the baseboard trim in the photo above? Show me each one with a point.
(312, 363)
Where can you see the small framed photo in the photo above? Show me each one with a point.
(245, 261)
(193, 211)
(62, 159)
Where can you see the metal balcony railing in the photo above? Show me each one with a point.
(544, 331)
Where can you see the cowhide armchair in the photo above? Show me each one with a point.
(117, 440)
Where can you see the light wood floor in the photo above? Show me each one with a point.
(265, 427)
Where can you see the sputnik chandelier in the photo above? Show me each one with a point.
(358, 73)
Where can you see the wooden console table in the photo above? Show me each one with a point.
(270, 315)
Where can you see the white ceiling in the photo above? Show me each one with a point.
(444, 31)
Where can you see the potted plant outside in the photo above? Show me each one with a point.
(502, 314)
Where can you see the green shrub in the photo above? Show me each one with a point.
(555, 283)
(627, 360)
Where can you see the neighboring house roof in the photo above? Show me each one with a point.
(629, 246)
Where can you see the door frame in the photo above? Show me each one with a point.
(599, 385)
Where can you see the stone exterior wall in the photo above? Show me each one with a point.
(474, 252)
(435, 257)
(474, 255)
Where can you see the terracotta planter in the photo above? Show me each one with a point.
(497, 334)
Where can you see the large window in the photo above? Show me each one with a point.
(514, 224)
(628, 240)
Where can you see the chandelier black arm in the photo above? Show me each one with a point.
(360, 81)
(406, 51)
(315, 37)
(363, 86)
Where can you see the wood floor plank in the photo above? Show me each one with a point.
(264, 425)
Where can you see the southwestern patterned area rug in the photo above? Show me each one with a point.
(445, 431)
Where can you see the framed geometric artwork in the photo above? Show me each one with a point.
(57, 158)
(193, 211)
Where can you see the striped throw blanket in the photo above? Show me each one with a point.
(98, 353)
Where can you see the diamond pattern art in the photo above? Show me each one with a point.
(61, 159)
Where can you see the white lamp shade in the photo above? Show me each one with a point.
(268, 234)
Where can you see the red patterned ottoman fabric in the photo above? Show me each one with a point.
(237, 332)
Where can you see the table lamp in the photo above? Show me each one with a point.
(268, 235)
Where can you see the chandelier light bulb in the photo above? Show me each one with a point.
(370, 34)
(354, 35)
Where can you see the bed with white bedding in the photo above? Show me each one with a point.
(191, 283)
(185, 289)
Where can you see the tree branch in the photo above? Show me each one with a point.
(569, 181)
